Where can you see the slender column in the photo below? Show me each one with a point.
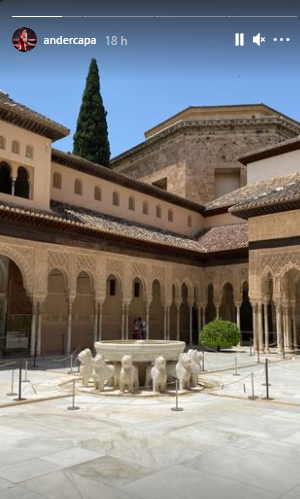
(123, 322)
(13, 183)
(168, 322)
(69, 326)
(289, 327)
(126, 321)
(238, 315)
(204, 317)
(199, 323)
(255, 332)
(191, 325)
(295, 345)
(96, 317)
(267, 349)
(165, 322)
(279, 328)
(39, 329)
(284, 324)
(100, 315)
(33, 328)
(148, 321)
(260, 327)
(178, 322)
(217, 305)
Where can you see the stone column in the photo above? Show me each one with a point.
(126, 321)
(100, 315)
(165, 322)
(13, 183)
(295, 345)
(191, 325)
(217, 305)
(279, 328)
(267, 349)
(289, 327)
(33, 328)
(255, 331)
(123, 322)
(260, 327)
(148, 321)
(39, 328)
(178, 321)
(69, 325)
(238, 315)
(96, 318)
(168, 322)
(3, 306)
(199, 323)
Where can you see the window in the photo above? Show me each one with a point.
(116, 199)
(22, 184)
(5, 178)
(190, 221)
(78, 187)
(136, 289)
(145, 208)
(29, 152)
(158, 211)
(2, 142)
(97, 193)
(15, 147)
(170, 216)
(56, 180)
(131, 203)
(112, 287)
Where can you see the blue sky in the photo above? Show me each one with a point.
(168, 64)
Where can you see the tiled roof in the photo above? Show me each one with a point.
(272, 150)
(215, 240)
(22, 116)
(224, 238)
(85, 166)
(251, 192)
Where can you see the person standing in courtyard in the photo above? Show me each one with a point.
(143, 328)
(136, 329)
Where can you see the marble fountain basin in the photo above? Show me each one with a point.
(140, 350)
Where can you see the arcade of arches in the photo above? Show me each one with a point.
(57, 299)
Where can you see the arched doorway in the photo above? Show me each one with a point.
(246, 314)
(173, 313)
(227, 308)
(112, 309)
(156, 312)
(83, 313)
(210, 310)
(54, 318)
(22, 184)
(137, 307)
(15, 309)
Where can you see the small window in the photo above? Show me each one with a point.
(56, 180)
(78, 187)
(116, 199)
(190, 221)
(97, 193)
(145, 208)
(136, 289)
(158, 211)
(2, 142)
(170, 216)
(112, 287)
(131, 203)
(15, 147)
(29, 152)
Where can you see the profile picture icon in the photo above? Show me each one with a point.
(24, 39)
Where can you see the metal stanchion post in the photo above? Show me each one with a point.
(267, 384)
(203, 368)
(235, 367)
(252, 396)
(20, 382)
(73, 407)
(25, 380)
(176, 408)
(12, 393)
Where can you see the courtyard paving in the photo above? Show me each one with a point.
(222, 445)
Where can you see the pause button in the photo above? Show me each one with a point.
(239, 39)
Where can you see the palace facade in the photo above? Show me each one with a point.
(201, 220)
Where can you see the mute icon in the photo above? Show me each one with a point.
(258, 39)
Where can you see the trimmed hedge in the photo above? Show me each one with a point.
(219, 333)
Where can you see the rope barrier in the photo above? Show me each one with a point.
(66, 358)
(8, 364)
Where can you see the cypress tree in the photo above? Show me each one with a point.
(91, 137)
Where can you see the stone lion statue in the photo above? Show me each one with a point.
(103, 372)
(86, 368)
(183, 371)
(196, 359)
(128, 374)
(159, 374)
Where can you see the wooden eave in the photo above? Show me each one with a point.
(266, 209)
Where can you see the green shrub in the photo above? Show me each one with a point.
(219, 333)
